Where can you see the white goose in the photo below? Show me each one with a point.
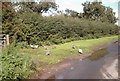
(80, 51)
(34, 46)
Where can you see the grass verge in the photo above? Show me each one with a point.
(63, 51)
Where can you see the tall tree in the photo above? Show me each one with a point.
(97, 11)
(7, 11)
(71, 13)
(40, 7)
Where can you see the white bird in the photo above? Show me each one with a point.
(47, 52)
(45, 47)
(53, 47)
(34, 46)
(73, 46)
(80, 51)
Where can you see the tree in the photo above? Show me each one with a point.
(7, 11)
(97, 11)
(41, 7)
(71, 13)
(110, 15)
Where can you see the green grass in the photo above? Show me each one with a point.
(63, 51)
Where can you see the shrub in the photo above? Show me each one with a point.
(22, 45)
(15, 66)
(56, 41)
(56, 29)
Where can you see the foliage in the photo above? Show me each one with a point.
(71, 13)
(97, 11)
(22, 45)
(40, 7)
(7, 11)
(15, 66)
(33, 28)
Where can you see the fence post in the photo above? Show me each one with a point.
(7, 39)
(4, 42)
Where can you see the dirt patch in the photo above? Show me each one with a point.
(50, 70)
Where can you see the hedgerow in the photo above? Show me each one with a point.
(36, 29)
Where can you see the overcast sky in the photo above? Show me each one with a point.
(76, 4)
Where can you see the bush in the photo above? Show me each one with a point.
(56, 41)
(22, 45)
(56, 29)
(15, 66)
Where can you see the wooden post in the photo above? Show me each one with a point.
(7, 39)
(4, 42)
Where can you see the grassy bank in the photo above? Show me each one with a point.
(63, 51)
